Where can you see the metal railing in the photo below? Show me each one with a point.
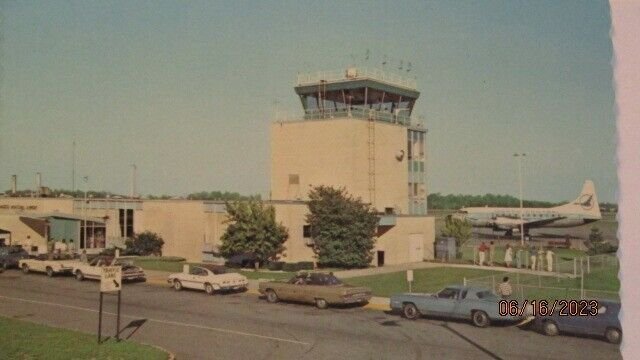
(354, 112)
(354, 74)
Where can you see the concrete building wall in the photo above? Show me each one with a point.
(397, 244)
(336, 153)
(185, 227)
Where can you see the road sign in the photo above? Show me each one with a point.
(111, 279)
(409, 275)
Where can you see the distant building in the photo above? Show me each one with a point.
(356, 132)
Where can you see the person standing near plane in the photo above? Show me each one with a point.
(540, 259)
(533, 259)
(549, 260)
(492, 252)
(482, 249)
(508, 256)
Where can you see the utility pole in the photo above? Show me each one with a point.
(520, 157)
(84, 209)
(133, 181)
(73, 167)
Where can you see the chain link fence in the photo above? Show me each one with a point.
(559, 284)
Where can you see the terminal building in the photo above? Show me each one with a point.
(356, 132)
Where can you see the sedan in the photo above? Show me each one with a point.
(601, 321)
(479, 305)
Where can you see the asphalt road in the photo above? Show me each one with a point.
(193, 325)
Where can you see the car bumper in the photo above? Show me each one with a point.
(356, 299)
(233, 287)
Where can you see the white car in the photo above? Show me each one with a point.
(208, 279)
(50, 267)
(92, 270)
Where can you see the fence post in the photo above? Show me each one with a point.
(464, 281)
(575, 267)
(493, 283)
(588, 265)
(581, 284)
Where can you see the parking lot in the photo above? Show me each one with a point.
(193, 325)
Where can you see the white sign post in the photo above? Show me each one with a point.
(111, 278)
(410, 278)
(110, 281)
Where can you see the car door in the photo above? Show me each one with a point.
(195, 278)
(443, 303)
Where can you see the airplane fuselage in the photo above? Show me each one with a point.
(509, 218)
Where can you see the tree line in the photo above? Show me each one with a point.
(438, 201)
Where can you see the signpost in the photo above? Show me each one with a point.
(410, 278)
(110, 281)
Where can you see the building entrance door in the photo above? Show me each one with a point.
(380, 258)
(416, 247)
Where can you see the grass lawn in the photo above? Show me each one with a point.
(434, 279)
(424, 280)
(25, 340)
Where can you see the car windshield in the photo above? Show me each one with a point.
(448, 293)
(324, 279)
(486, 295)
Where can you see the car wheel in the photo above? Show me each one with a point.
(613, 335)
(321, 303)
(177, 285)
(550, 328)
(410, 311)
(208, 289)
(79, 275)
(272, 297)
(25, 268)
(480, 319)
(49, 272)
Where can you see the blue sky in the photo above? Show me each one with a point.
(186, 90)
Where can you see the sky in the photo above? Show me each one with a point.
(186, 90)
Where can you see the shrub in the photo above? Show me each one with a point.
(290, 267)
(275, 265)
(305, 265)
(145, 243)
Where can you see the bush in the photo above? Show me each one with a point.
(275, 265)
(292, 267)
(145, 243)
(305, 265)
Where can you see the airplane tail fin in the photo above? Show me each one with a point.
(588, 200)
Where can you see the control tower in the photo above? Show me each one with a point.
(357, 132)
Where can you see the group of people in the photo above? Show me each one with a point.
(538, 259)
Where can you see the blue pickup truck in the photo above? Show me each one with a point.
(479, 305)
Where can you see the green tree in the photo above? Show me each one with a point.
(342, 228)
(458, 229)
(253, 228)
(145, 243)
(597, 244)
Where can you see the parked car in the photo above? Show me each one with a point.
(208, 278)
(242, 260)
(477, 304)
(9, 256)
(316, 288)
(92, 270)
(50, 267)
(605, 323)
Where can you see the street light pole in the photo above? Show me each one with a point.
(520, 157)
(84, 207)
